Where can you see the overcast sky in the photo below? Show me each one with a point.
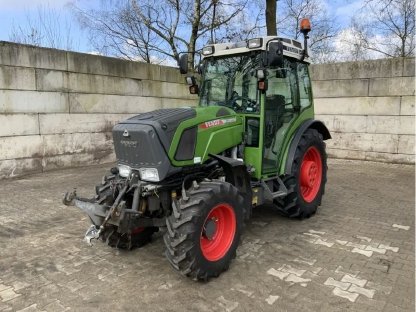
(15, 12)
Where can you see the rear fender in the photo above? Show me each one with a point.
(308, 124)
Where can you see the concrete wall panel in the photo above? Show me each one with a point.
(51, 80)
(340, 88)
(165, 90)
(18, 124)
(366, 142)
(409, 67)
(75, 143)
(371, 156)
(17, 101)
(113, 104)
(11, 168)
(369, 124)
(390, 158)
(17, 78)
(353, 70)
(172, 103)
(406, 145)
(392, 86)
(407, 106)
(345, 153)
(79, 123)
(344, 123)
(385, 106)
(98, 84)
(30, 56)
(94, 64)
(14, 147)
(78, 159)
(393, 124)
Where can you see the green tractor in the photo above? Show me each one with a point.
(197, 172)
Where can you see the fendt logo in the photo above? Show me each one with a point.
(216, 122)
(132, 144)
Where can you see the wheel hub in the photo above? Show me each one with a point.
(310, 174)
(210, 228)
(218, 232)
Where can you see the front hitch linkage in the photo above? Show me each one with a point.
(94, 231)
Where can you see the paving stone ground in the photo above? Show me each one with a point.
(355, 254)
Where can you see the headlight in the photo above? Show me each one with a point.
(255, 43)
(208, 50)
(149, 174)
(124, 171)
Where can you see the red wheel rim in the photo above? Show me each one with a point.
(222, 223)
(310, 174)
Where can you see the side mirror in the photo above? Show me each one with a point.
(194, 89)
(183, 63)
(275, 54)
(193, 86)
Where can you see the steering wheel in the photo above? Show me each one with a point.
(250, 105)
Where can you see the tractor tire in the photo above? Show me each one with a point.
(204, 231)
(306, 183)
(137, 238)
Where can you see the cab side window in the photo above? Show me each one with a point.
(305, 93)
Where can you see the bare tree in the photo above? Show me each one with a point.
(271, 17)
(388, 29)
(323, 26)
(249, 23)
(158, 30)
(349, 44)
(46, 28)
(119, 32)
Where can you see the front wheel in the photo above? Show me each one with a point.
(306, 184)
(203, 232)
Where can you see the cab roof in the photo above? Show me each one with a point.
(291, 47)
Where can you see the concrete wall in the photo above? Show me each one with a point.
(369, 108)
(57, 108)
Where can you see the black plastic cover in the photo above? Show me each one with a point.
(187, 143)
(143, 141)
(138, 146)
(164, 121)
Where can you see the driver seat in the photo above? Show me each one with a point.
(274, 110)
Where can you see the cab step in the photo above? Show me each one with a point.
(273, 188)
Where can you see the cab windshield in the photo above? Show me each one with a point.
(231, 81)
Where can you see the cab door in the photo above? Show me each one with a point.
(281, 108)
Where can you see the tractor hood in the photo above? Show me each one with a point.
(168, 139)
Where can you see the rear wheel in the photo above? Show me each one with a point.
(203, 232)
(306, 184)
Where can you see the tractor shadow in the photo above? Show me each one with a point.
(266, 213)
(266, 221)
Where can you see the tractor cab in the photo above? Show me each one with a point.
(266, 82)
